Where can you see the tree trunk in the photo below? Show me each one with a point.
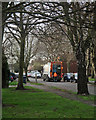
(5, 66)
(5, 72)
(21, 60)
(4, 16)
(26, 74)
(68, 67)
(21, 64)
(94, 60)
(82, 78)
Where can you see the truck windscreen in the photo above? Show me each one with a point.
(57, 68)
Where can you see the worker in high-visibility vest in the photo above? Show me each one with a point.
(55, 76)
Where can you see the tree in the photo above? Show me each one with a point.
(75, 17)
(5, 72)
(94, 39)
(54, 42)
(31, 47)
(5, 68)
(79, 38)
(19, 25)
(22, 30)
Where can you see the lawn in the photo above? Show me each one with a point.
(13, 83)
(91, 79)
(35, 103)
(32, 83)
(88, 97)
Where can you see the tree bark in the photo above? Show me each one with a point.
(82, 78)
(5, 66)
(21, 60)
(26, 74)
(4, 16)
(94, 60)
(21, 63)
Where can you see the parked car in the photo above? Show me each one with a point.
(24, 79)
(24, 73)
(36, 73)
(67, 77)
(17, 75)
(32, 72)
(29, 74)
(13, 75)
(11, 78)
(76, 77)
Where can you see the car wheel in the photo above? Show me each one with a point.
(43, 79)
(75, 81)
(47, 79)
(68, 80)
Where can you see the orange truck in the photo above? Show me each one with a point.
(53, 67)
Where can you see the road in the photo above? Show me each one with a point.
(66, 85)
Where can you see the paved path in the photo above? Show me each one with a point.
(66, 85)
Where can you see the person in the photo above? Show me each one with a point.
(55, 76)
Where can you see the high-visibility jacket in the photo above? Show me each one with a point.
(55, 74)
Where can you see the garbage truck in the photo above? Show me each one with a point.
(53, 67)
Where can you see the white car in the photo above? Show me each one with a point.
(69, 75)
(38, 74)
(17, 75)
(29, 74)
(76, 76)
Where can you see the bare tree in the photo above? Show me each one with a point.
(75, 17)
(19, 29)
(31, 47)
(55, 41)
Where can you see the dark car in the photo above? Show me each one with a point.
(24, 79)
(13, 75)
(11, 78)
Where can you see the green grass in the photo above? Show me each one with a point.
(32, 83)
(88, 97)
(13, 83)
(91, 79)
(64, 90)
(35, 103)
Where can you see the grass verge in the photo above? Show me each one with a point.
(13, 83)
(88, 97)
(35, 103)
(32, 83)
(91, 79)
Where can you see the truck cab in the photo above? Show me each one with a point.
(50, 68)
